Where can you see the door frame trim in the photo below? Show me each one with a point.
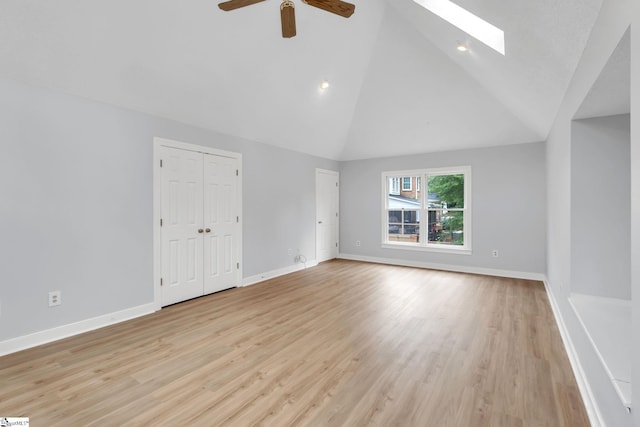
(337, 236)
(157, 207)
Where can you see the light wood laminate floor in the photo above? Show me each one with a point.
(341, 344)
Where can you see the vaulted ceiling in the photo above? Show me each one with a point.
(398, 84)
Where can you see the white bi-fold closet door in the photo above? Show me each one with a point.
(200, 225)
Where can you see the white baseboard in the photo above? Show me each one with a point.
(446, 267)
(43, 337)
(595, 417)
(252, 280)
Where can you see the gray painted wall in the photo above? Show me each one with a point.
(612, 22)
(76, 205)
(508, 207)
(635, 199)
(601, 207)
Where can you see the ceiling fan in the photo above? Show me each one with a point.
(287, 14)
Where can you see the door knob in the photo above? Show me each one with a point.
(207, 230)
(200, 230)
(319, 222)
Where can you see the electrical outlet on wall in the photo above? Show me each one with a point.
(55, 298)
(495, 253)
(358, 242)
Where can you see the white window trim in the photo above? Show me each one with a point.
(424, 245)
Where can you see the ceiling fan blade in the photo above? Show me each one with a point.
(288, 17)
(338, 7)
(236, 4)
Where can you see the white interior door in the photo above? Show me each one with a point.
(327, 196)
(221, 222)
(200, 230)
(182, 216)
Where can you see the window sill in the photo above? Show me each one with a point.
(607, 322)
(432, 248)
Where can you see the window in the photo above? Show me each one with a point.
(406, 183)
(443, 204)
(394, 185)
(471, 24)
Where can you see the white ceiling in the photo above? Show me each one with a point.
(398, 85)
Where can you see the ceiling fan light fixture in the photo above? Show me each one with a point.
(287, 10)
(462, 47)
(324, 85)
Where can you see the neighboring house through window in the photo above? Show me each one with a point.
(444, 203)
(394, 185)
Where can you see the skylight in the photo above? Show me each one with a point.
(476, 27)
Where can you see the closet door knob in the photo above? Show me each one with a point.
(208, 230)
(200, 230)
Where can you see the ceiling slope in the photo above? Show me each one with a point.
(611, 92)
(544, 41)
(416, 99)
(393, 69)
(189, 61)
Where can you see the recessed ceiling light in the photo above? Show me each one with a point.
(324, 85)
(462, 48)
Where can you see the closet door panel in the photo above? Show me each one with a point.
(221, 223)
(182, 217)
